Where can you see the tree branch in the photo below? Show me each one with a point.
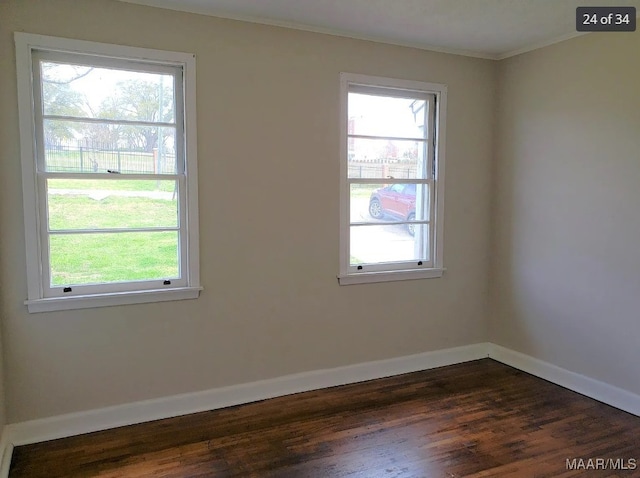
(82, 75)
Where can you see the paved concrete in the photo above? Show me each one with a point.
(385, 243)
(99, 194)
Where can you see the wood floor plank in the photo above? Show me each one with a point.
(478, 419)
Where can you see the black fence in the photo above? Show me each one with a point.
(83, 157)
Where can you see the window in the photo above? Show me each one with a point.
(108, 153)
(392, 179)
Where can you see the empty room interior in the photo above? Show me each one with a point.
(228, 247)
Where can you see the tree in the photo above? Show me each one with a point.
(59, 98)
(135, 98)
(139, 100)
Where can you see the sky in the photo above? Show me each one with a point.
(95, 83)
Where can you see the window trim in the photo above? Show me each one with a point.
(27, 46)
(395, 271)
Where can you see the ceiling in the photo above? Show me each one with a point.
(483, 28)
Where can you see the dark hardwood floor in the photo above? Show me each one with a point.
(478, 419)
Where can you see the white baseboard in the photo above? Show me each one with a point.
(6, 451)
(62, 426)
(601, 391)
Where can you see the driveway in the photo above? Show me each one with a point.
(385, 243)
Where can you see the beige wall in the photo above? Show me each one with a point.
(566, 229)
(3, 415)
(268, 160)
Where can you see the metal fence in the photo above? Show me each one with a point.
(83, 157)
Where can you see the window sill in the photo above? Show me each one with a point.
(389, 276)
(52, 304)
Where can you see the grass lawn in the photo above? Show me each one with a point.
(82, 212)
(98, 258)
(111, 257)
(116, 184)
(90, 160)
(363, 190)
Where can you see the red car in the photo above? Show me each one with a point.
(397, 201)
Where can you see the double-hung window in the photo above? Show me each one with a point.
(109, 173)
(392, 179)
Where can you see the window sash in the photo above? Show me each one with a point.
(428, 152)
(106, 287)
(48, 290)
(391, 266)
(103, 61)
(432, 94)
(146, 60)
(180, 181)
(39, 56)
(114, 288)
(115, 122)
(420, 139)
(388, 91)
(431, 199)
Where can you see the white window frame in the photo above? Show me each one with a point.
(405, 270)
(42, 297)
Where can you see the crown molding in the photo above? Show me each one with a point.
(313, 29)
(201, 10)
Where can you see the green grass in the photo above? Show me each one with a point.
(111, 257)
(94, 258)
(99, 258)
(82, 212)
(126, 162)
(113, 185)
(363, 190)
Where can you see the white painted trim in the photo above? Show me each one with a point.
(51, 304)
(434, 94)
(542, 44)
(41, 297)
(6, 452)
(62, 426)
(389, 276)
(32, 41)
(345, 202)
(94, 420)
(439, 158)
(27, 153)
(601, 391)
(537, 46)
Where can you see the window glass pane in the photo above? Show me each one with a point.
(78, 259)
(96, 204)
(96, 92)
(383, 158)
(389, 203)
(384, 116)
(99, 147)
(389, 243)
